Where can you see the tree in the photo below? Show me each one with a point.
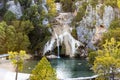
(22, 29)
(51, 8)
(17, 58)
(43, 71)
(113, 32)
(107, 63)
(9, 16)
(14, 38)
(112, 3)
(118, 3)
(7, 36)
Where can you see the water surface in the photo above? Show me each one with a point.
(65, 67)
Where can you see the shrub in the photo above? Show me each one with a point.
(43, 71)
(9, 16)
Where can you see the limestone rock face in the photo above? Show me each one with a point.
(90, 28)
(15, 8)
(61, 34)
(93, 25)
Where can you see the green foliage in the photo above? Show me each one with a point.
(7, 37)
(112, 3)
(17, 58)
(9, 16)
(51, 8)
(32, 13)
(14, 38)
(23, 26)
(81, 12)
(101, 11)
(22, 30)
(114, 31)
(107, 62)
(118, 3)
(115, 24)
(91, 57)
(25, 3)
(38, 37)
(43, 71)
(68, 6)
(74, 33)
(93, 2)
(35, 13)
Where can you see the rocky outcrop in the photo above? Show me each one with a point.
(15, 8)
(95, 23)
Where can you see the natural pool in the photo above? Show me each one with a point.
(65, 67)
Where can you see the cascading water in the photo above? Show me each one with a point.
(61, 33)
(57, 38)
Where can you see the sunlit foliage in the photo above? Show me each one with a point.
(43, 71)
(17, 58)
(107, 63)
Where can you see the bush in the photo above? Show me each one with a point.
(114, 31)
(43, 71)
(81, 12)
(9, 16)
(93, 2)
(74, 33)
(67, 6)
(112, 3)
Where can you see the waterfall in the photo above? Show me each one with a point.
(58, 49)
(62, 34)
(57, 38)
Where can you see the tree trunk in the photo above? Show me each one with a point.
(16, 72)
(113, 76)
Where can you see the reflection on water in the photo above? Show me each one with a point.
(71, 68)
(65, 67)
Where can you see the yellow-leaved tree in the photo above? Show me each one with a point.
(43, 71)
(107, 62)
(17, 58)
(51, 7)
(118, 3)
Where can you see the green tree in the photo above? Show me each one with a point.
(25, 3)
(107, 63)
(112, 3)
(14, 38)
(93, 2)
(7, 36)
(9, 16)
(113, 31)
(17, 58)
(43, 71)
(22, 29)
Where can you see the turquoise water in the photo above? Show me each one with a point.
(65, 67)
